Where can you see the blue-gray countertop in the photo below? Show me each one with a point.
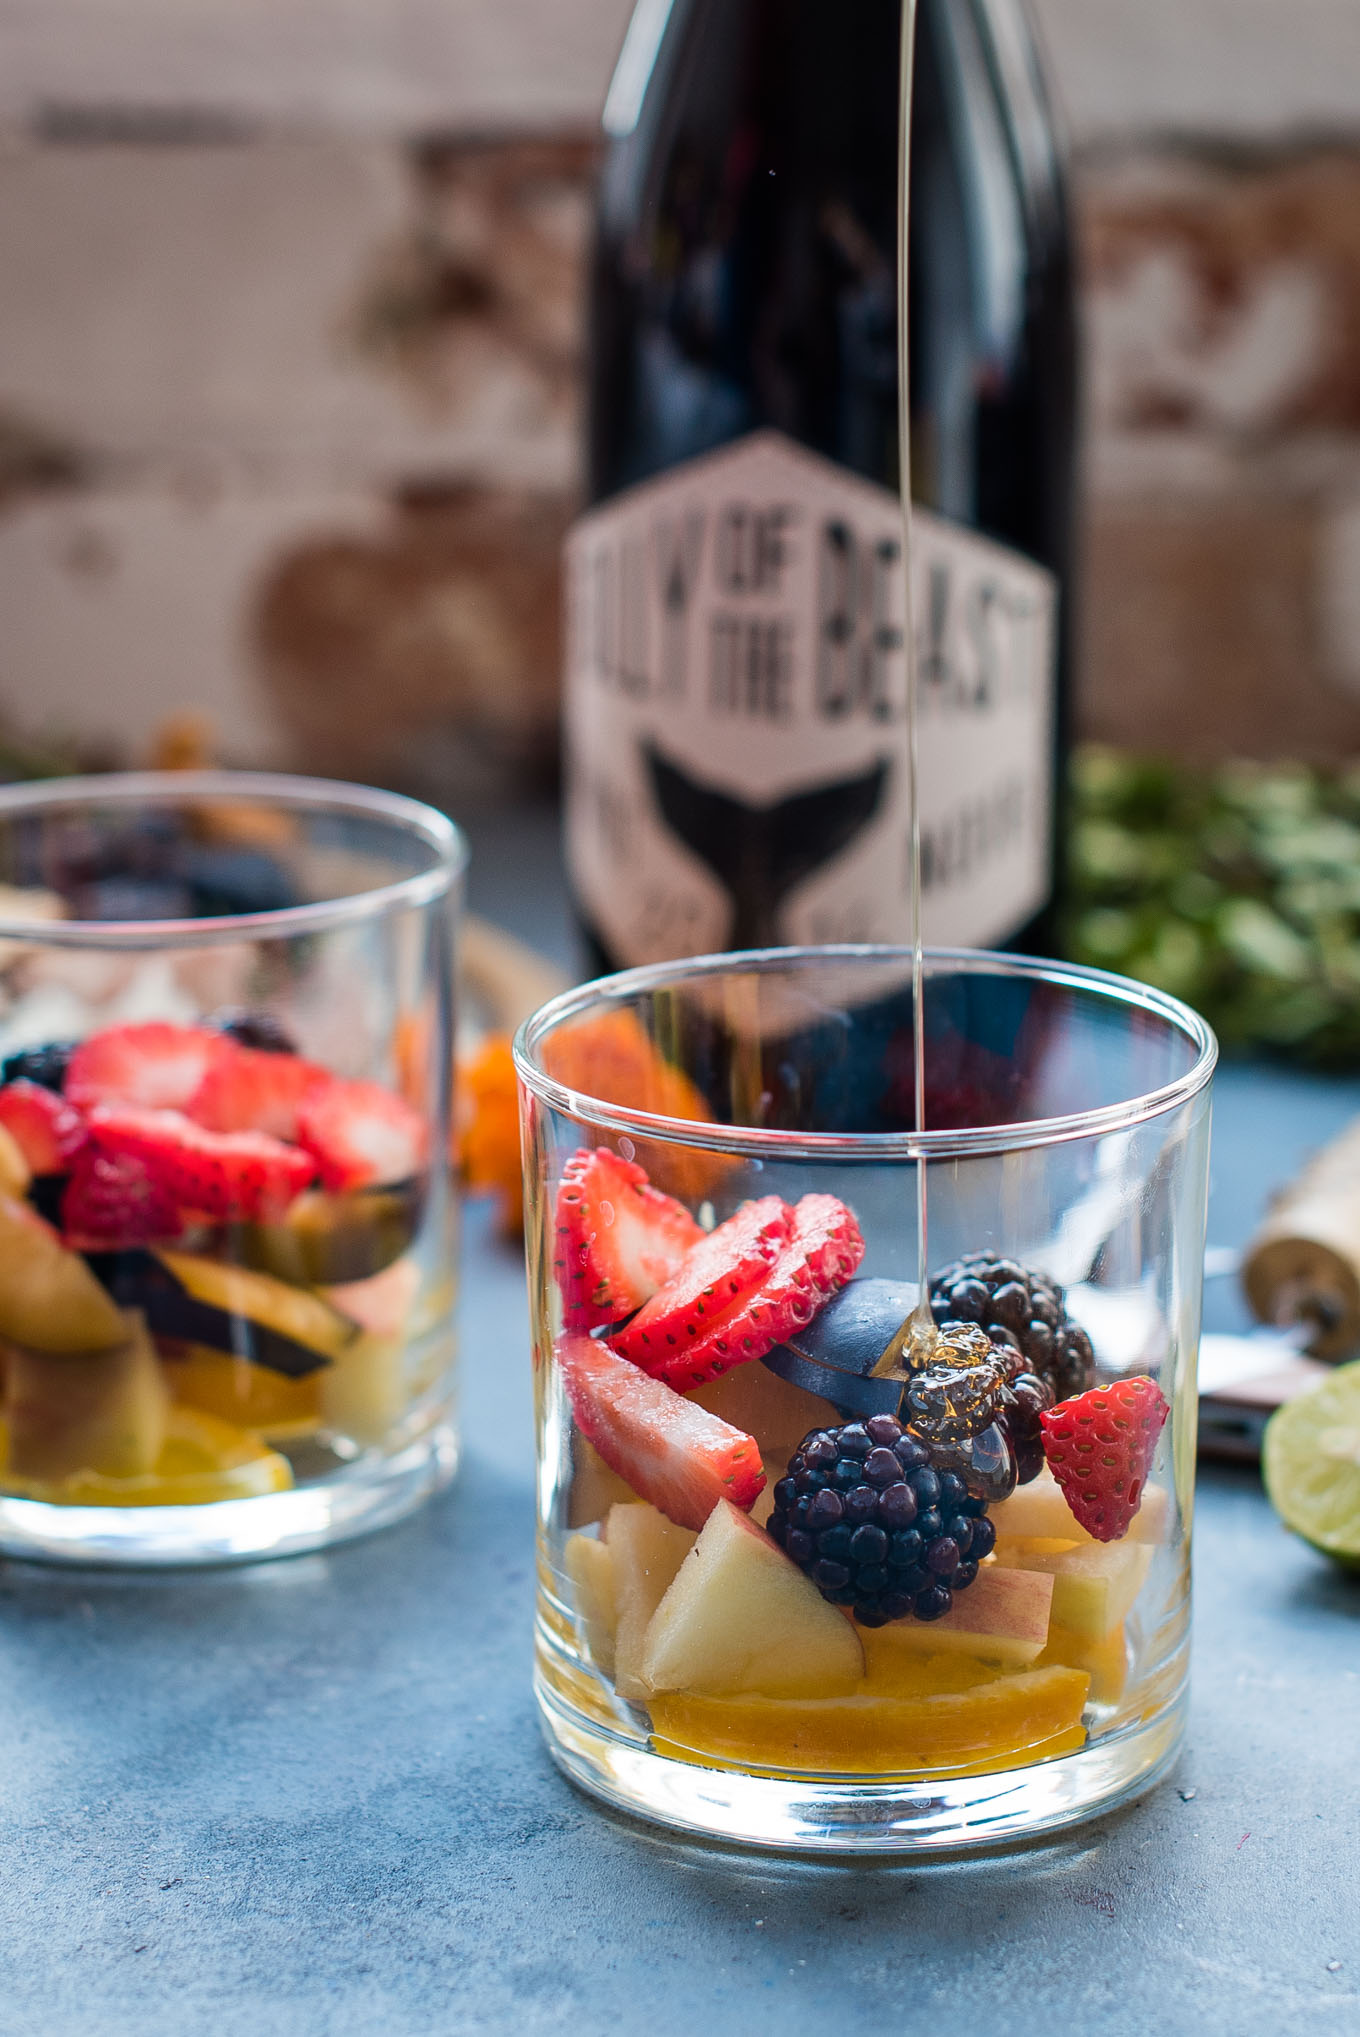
(310, 1797)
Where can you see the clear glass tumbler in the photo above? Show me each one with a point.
(804, 1582)
(226, 1211)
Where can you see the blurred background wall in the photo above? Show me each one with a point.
(289, 352)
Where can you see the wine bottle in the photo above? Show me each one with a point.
(735, 684)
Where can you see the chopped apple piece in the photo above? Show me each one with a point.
(1105, 1661)
(1002, 1618)
(1039, 1512)
(1093, 1587)
(741, 1617)
(1004, 1723)
(594, 1487)
(364, 1390)
(49, 1299)
(647, 1551)
(86, 1411)
(590, 1566)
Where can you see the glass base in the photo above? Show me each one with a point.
(371, 1493)
(830, 1815)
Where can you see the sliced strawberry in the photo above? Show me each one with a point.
(156, 1065)
(361, 1134)
(253, 1089)
(678, 1456)
(116, 1199)
(228, 1176)
(47, 1131)
(710, 1284)
(618, 1238)
(1100, 1448)
(820, 1254)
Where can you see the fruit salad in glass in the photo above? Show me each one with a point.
(225, 1265)
(820, 1566)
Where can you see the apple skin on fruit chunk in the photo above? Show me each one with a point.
(1003, 1617)
(49, 1298)
(1094, 1585)
(646, 1551)
(1002, 1724)
(102, 1412)
(740, 1617)
(590, 1566)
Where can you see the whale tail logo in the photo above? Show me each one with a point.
(759, 854)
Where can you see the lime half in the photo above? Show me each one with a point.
(1311, 1462)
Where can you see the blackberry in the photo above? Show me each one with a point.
(863, 1510)
(44, 1065)
(1020, 1310)
(259, 1029)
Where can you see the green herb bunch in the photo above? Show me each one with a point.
(1236, 888)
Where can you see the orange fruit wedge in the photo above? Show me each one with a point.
(202, 1459)
(1004, 1723)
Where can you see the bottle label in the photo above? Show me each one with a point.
(736, 714)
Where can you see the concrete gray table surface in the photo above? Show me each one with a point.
(310, 1797)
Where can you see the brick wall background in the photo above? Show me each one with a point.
(289, 342)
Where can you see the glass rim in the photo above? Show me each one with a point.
(771, 1143)
(410, 817)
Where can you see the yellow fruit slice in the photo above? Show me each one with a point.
(49, 1299)
(201, 1460)
(302, 1317)
(1000, 1724)
(250, 1396)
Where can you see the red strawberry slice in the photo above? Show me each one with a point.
(227, 1176)
(156, 1065)
(820, 1254)
(115, 1199)
(711, 1283)
(47, 1131)
(251, 1090)
(618, 1238)
(678, 1456)
(1100, 1447)
(361, 1134)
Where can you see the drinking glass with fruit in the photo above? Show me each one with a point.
(819, 1566)
(225, 1266)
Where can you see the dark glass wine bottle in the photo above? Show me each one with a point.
(736, 677)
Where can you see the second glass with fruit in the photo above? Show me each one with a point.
(819, 1567)
(225, 1264)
